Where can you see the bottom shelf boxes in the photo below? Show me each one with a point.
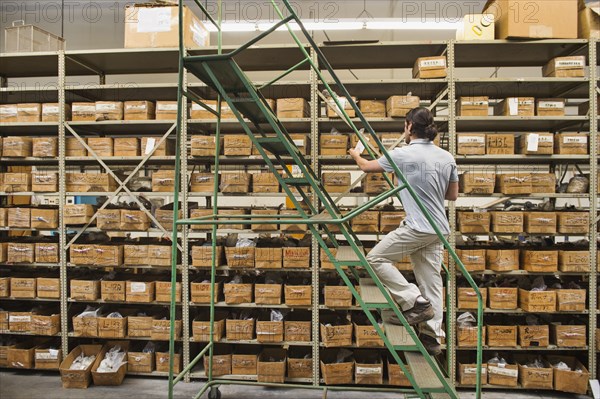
(47, 358)
(221, 362)
(574, 380)
(368, 368)
(337, 368)
(299, 363)
(21, 356)
(396, 376)
(162, 362)
(532, 376)
(112, 378)
(505, 375)
(467, 374)
(139, 361)
(271, 365)
(78, 378)
(244, 360)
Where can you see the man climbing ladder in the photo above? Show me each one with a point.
(431, 171)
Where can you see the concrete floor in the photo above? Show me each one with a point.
(28, 385)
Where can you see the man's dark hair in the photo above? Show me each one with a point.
(423, 125)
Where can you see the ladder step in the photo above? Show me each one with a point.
(347, 254)
(398, 335)
(274, 145)
(439, 396)
(296, 181)
(371, 294)
(422, 372)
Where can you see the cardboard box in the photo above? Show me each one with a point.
(44, 182)
(139, 110)
(126, 147)
(20, 321)
(573, 261)
(333, 144)
(472, 259)
(235, 182)
(237, 145)
(539, 261)
(92, 182)
(51, 112)
(163, 291)
(78, 378)
(296, 257)
(113, 290)
(48, 287)
(503, 298)
(108, 219)
(238, 293)
(3, 217)
(159, 255)
(157, 25)
(506, 376)
(302, 141)
(297, 328)
(368, 368)
(571, 300)
(140, 291)
(390, 221)
(134, 220)
(202, 256)
(536, 144)
(202, 182)
(198, 112)
(467, 336)
(4, 323)
(239, 329)
(474, 222)
(161, 329)
(335, 335)
(514, 183)
(569, 381)
(399, 106)
(110, 378)
(467, 374)
(165, 111)
(589, 20)
(366, 335)
(102, 146)
(163, 181)
(221, 363)
(467, 298)
(573, 222)
(534, 377)
(430, 68)
(74, 148)
(268, 258)
(372, 108)
(140, 362)
(500, 144)
(473, 106)
(565, 67)
(375, 183)
(140, 326)
(514, 19)
(336, 373)
(502, 336)
(201, 328)
(266, 227)
(470, 143)
(337, 296)
(19, 217)
(109, 111)
(366, 222)
(298, 295)
(571, 143)
(345, 104)
(164, 217)
(17, 146)
(543, 183)
(20, 252)
(516, 106)
(21, 356)
(550, 107)
(110, 327)
(292, 228)
(78, 214)
(244, 361)
(23, 287)
(88, 290)
(149, 145)
(240, 257)
(16, 182)
(205, 146)
(44, 147)
(476, 27)
(536, 336)
(29, 112)
(292, 108)
(502, 260)
(540, 222)
(265, 183)
(269, 331)
(163, 362)
(336, 182)
(299, 367)
(271, 365)
(4, 287)
(507, 222)
(85, 326)
(44, 218)
(8, 113)
(537, 301)
(83, 111)
(47, 358)
(391, 140)
(568, 336)
(477, 183)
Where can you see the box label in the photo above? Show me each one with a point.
(52, 354)
(575, 140)
(149, 145)
(299, 142)
(471, 140)
(368, 370)
(106, 107)
(154, 19)
(166, 107)
(8, 110)
(50, 109)
(138, 287)
(440, 62)
(503, 371)
(198, 34)
(19, 319)
(569, 64)
(551, 104)
(84, 108)
(533, 142)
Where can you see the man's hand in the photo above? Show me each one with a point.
(364, 165)
(353, 153)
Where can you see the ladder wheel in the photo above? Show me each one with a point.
(214, 393)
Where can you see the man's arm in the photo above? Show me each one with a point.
(365, 165)
(452, 192)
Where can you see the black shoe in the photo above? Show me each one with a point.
(431, 344)
(420, 313)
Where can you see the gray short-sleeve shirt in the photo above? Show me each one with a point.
(429, 170)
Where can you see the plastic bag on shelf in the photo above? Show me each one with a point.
(537, 363)
(237, 279)
(497, 359)
(276, 315)
(466, 320)
(115, 315)
(112, 360)
(539, 284)
(343, 355)
(82, 362)
(90, 312)
(245, 243)
(149, 348)
(562, 366)
(578, 185)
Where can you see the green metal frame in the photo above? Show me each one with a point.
(315, 221)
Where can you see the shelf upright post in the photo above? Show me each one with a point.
(315, 262)
(64, 324)
(451, 295)
(593, 279)
(185, 303)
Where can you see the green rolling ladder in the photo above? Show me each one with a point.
(221, 73)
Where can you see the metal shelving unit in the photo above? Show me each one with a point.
(269, 57)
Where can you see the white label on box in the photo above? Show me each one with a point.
(440, 62)
(513, 106)
(533, 142)
(138, 287)
(471, 140)
(296, 170)
(299, 142)
(50, 109)
(106, 107)
(473, 370)
(19, 319)
(570, 63)
(52, 354)
(166, 107)
(575, 140)
(368, 370)
(388, 142)
(477, 103)
(551, 104)
(135, 107)
(503, 371)
(84, 108)
(8, 110)
(154, 19)
(149, 145)
(30, 110)
(198, 34)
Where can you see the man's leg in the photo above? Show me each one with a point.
(395, 246)
(427, 263)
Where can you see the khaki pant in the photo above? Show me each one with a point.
(425, 252)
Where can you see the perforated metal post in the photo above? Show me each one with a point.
(62, 239)
(185, 301)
